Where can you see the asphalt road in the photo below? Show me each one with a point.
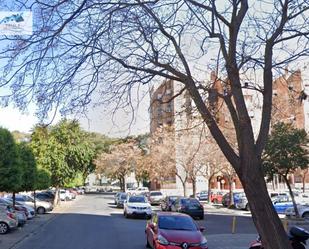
(93, 222)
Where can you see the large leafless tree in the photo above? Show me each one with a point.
(110, 46)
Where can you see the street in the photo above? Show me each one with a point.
(93, 222)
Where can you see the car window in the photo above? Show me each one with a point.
(155, 193)
(140, 199)
(190, 202)
(28, 198)
(177, 223)
(123, 196)
(20, 198)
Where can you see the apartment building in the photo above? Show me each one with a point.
(289, 105)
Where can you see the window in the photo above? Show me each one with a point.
(176, 223)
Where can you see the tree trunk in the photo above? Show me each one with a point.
(209, 188)
(264, 215)
(13, 198)
(34, 197)
(304, 183)
(184, 188)
(56, 196)
(292, 195)
(194, 187)
(231, 204)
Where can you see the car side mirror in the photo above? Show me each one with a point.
(202, 229)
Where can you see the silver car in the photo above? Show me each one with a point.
(155, 197)
(41, 206)
(8, 219)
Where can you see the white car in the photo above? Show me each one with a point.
(302, 209)
(65, 195)
(140, 191)
(137, 205)
(155, 197)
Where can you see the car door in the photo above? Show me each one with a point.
(152, 230)
(281, 204)
(174, 205)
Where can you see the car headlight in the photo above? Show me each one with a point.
(203, 242)
(162, 240)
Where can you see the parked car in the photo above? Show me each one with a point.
(45, 196)
(202, 196)
(8, 219)
(303, 211)
(274, 194)
(29, 211)
(226, 198)
(243, 203)
(167, 203)
(121, 199)
(130, 190)
(20, 215)
(65, 195)
(137, 205)
(41, 206)
(73, 193)
(140, 191)
(282, 203)
(155, 197)
(116, 197)
(190, 206)
(174, 230)
(216, 197)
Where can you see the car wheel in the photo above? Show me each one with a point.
(40, 210)
(126, 215)
(305, 215)
(4, 228)
(202, 217)
(215, 201)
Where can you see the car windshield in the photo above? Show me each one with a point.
(137, 199)
(123, 197)
(177, 223)
(155, 193)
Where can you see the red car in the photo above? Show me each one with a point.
(169, 230)
(216, 197)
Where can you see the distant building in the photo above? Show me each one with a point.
(290, 104)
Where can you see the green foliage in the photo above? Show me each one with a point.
(27, 166)
(63, 150)
(285, 150)
(43, 180)
(10, 172)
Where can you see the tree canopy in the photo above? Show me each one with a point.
(285, 152)
(63, 150)
(10, 171)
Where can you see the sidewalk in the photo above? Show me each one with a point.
(230, 241)
(13, 238)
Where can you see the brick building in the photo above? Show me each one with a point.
(177, 113)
